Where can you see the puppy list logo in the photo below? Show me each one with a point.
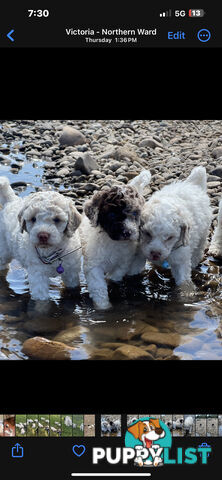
(151, 440)
(147, 443)
(148, 437)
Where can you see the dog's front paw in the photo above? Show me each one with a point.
(41, 298)
(138, 462)
(157, 461)
(102, 305)
(40, 307)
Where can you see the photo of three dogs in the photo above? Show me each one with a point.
(116, 235)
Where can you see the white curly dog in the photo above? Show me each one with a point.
(215, 248)
(40, 232)
(110, 236)
(175, 225)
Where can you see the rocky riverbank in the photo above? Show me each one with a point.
(82, 156)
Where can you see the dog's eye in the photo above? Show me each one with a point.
(33, 219)
(169, 238)
(135, 214)
(56, 220)
(148, 235)
(145, 430)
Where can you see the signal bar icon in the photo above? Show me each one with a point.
(168, 13)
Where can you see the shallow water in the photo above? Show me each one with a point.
(148, 303)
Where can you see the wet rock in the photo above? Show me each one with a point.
(90, 187)
(82, 149)
(39, 348)
(217, 171)
(215, 269)
(16, 166)
(75, 173)
(149, 328)
(11, 319)
(152, 348)
(120, 332)
(18, 184)
(213, 178)
(212, 284)
(121, 154)
(113, 165)
(172, 357)
(217, 152)
(213, 184)
(71, 334)
(131, 175)
(49, 165)
(86, 164)
(171, 339)
(3, 356)
(71, 136)
(112, 345)
(5, 150)
(150, 142)
(164, 352)
(130, 352)
(101, 354)
(122, 179)
(4, 159)
(62, 172)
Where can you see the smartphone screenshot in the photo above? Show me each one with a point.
(110, 240)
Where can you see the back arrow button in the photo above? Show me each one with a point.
(9, 35)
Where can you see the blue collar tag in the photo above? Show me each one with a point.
(165, 264)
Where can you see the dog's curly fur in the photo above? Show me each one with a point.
(46, 220)
(110, 234)
(175, 225)
(215, 248)
(110, 209)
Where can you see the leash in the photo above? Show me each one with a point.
(48, 260)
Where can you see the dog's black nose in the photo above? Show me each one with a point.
(158, 431)
(43, 237)
(126, 234)
(155, 255)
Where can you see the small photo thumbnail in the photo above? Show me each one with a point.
(89, 426)
(111, 425)
(9, 425)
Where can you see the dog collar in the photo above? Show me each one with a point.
(57, 255)
(178, 246)
(165, 264)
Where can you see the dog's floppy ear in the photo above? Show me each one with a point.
(74, 220)
(134, 429)
(91, 207)
(21, 220)
(158, 429)
(184, 234)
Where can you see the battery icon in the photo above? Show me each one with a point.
(196, 12)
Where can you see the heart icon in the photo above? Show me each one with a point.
(78, 450)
